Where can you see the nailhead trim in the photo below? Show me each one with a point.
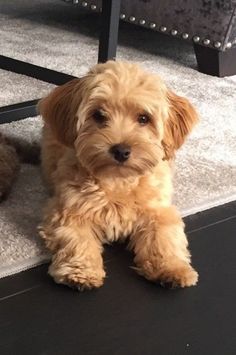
(228, 45)
(174, 32)
(163, 29)
(152, 25)
(196, 39)
(206, 41)
(142, 22)
(217, 44)
(185, 35)
(132, 18)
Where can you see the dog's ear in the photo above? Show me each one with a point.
(182, 117)
(59, 110)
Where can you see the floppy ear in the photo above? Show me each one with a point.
(59, 110)
(182, 117)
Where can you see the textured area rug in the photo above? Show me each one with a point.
(62, 37)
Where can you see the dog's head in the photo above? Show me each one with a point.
(120, 120)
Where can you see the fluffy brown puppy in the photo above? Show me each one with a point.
(108, 143)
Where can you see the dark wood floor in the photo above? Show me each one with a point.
(130, 316)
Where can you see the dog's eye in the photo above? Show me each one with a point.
(99, 117)
(143, 119)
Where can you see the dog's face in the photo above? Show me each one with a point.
(121, 120)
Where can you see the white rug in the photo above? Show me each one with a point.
(59, 36)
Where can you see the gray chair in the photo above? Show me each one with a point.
(209, 24)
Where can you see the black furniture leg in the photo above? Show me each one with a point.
(26, 109)
(34, 71)
(107, 50)
(18, 111)
(109, 30)
(213, 62)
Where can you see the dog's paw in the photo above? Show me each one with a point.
(77, 278)
(169, 275)
(182, 276)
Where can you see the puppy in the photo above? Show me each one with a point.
(108, 144)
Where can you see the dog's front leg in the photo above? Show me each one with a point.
(161, 249)
(76, 250)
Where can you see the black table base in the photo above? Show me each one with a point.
(107, 50)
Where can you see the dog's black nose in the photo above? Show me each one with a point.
(120, 152)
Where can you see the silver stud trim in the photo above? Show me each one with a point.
(228, 45)
(196, 39)
(132, 18)
(142, 22)
(122, 16)
(174, 32)
(206, 41)
(185, 35)
(152, 25)
(163, 29)
(84, 4)
(217, 44)
(75, 1)
(93, 7)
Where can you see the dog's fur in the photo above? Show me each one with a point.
(9, 166)
(97, 200)
(13, 152)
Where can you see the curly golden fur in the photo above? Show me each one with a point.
(108, 144)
